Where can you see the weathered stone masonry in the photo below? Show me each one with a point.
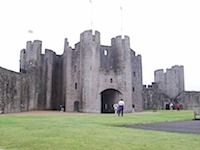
(89, 78)
(14, 91)
(169, 87)
(97, 76)
(170, 82)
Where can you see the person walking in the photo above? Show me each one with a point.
(121, 107)
(115, 106)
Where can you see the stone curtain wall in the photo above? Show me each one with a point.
(189, 99)
(154, 98)
(10, 91)
(14, 91)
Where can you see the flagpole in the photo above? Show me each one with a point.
(91, 13)
(121, 10)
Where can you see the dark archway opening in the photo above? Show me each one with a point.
(108, 98)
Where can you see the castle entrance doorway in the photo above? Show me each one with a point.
(108, 98)
(76, 106)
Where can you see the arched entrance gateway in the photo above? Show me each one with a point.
(108, 98)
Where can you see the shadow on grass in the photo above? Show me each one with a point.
(187, 126)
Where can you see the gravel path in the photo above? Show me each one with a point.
(190, 126)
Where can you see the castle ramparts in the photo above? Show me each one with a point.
(89, 78)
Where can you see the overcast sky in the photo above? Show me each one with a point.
(164, 32)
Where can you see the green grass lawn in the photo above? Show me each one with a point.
(82, 131)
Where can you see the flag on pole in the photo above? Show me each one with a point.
(30, 35)
(30, 31)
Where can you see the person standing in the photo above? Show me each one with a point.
(115, 106)
(178, 106)
(171, 106)
(121, 107)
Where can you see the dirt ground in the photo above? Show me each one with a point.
(58, 113)
(43, 113)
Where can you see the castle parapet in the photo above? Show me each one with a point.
(118, 40)
(87, 36)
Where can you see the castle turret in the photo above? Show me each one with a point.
(90, 64)
(116, 81)
(137, 87)
(49, 62)
(117, 47)
(31, 63)
(127, 73)
(33, 54)
(159, 78)
(171, 82)
(67, 77)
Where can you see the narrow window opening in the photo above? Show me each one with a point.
(111, 80)
(75, 85)
(105, 52)
(133, 89)
(134, 73)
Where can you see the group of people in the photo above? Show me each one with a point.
(119, 107)
(178, 106)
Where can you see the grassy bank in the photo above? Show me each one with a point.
(79, 131)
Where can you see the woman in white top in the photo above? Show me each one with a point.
(115, 106)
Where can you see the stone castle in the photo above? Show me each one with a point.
(89, 78)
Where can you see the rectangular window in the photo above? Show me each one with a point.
(133, 89)
(134, 73)
(75, 85)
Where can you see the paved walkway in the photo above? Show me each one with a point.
(190, 126)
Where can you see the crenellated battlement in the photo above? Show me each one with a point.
(171, 81)
(88, 37)
(89, 78)
(118, 40)
(35, 45)
(33, 50)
